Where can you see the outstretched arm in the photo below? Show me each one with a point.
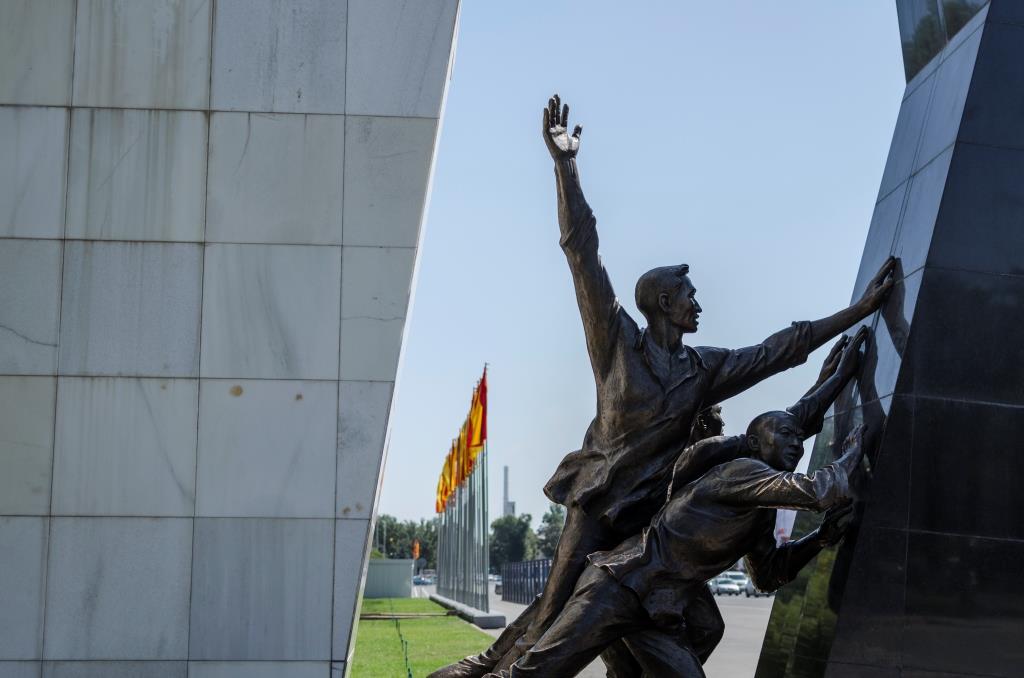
(594, 294)
(840, 366)
(877, 290)
(771, 566)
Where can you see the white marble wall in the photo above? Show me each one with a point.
(209, 219)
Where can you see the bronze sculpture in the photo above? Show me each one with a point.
(720, 506)
(650, 387)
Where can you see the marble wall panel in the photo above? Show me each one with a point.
(275, 178)
(125, 447)
(363, 408)
(142, 53)
(276, 571)
(118, 588)
(926, 191)
(280, 56)
(881, 233)
(131, 309)
(29, 306)
(266, 448)
(122, 669)
(259, 669)
(22, 564)
(26, 444)
(271, 312)
(33, 170)
(375, 299)
(398, 56)
(20, 669)
(350, 540)
(387, 171)
(36, 39)
(137, 175)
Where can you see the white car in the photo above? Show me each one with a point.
(723, 586)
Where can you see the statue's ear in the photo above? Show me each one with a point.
(753, 444)
(663, 302)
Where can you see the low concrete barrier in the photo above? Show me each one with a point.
(485, 620)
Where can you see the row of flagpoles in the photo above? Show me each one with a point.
(466, 449)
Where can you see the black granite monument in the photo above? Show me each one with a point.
(930, 582)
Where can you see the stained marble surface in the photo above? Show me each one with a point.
(398, 56)
(26, 444)
(363, 408)
(125, 446)
(350, 551)
(22, 564)
(375, 299)
(29, 305)
(142, 53)
(258, 669)
(252, 199)
(276, 571)
(271, 312)
(33, 159)
(131, 309)
(137, 175)
(387, 171)
(122, 669)
(266, 449)
(118, 588)
(36, 39)
(23, 669)
(279, 56)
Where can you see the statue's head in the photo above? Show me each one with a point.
(777, 439)
(666, 292)
(709, 423)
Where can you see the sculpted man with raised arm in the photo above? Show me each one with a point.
(650, 387)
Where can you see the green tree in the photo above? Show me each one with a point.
(551, 524)
(511, 539)
(394, 538)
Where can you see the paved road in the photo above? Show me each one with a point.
(735, 657)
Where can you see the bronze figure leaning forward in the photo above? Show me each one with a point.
(650, 387)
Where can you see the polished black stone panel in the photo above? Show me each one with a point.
(837, 670)
(922, 210)
(963, 605)
(869, 629)
(964, 455)
(948, 356)
(952, 83)
(881, 234)
(980, 225)
(906, 137)
(1007, 10)
(996, 106)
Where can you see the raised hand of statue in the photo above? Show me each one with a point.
(879, 287)
(854, 443)
(560, 143)
(831, 364)
(850, 360)
(834, 524)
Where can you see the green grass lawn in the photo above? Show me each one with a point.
(433, 641)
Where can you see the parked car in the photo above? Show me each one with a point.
(420, 580)
(723, 586)
(740, 578)
(751, 590)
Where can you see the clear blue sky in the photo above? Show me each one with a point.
(745, 138)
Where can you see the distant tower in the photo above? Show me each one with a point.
(508, 508)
